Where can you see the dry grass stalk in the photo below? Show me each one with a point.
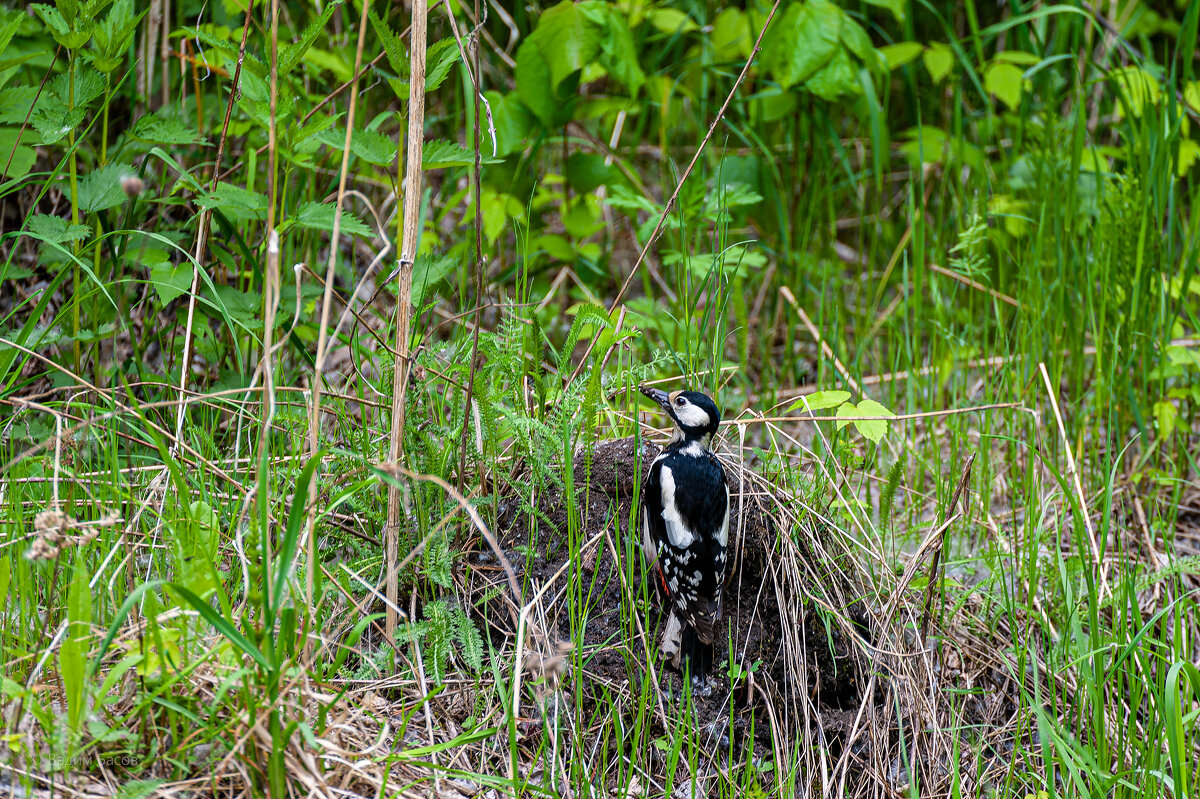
(408, 251)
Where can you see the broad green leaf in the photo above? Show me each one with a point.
(901, 53)
(671, 21)
(846, 413)
(820, 400)
(1005, 81)
(101, 189)
(1165, 414)
(319, 216)
(170, 280)
(1189, 152)
(837, 78)
(939, 60)
(550, 59)
(731, 36)
(872, 429)
(806, 38)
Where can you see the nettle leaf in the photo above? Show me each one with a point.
(291, 55)
(440, 57)
(235, 203)
(15, 104)
(805, 39)
(393, 48)
(320, 216)
(162, 128)
(57, 229)
(440, 154)
(101, 189)
(820, 400)
(371, 146)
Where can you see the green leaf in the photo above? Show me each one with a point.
(440, 154)
(319, 216)
(820, 400)
(1138, 88)
(805, 39)
(163, 128)
(170, 280)
(23, 156)
(872, 429)
(1005, 81)
(671, 21)
(393, 48)
(939, 60)
(369, 145)
(440, 57)
(235, 203)
(428, 272)
(731, 36)
(290, 55)
(101, 189)
(56, 229)
(551, 58)
(1165, 414)
(901, 53)
(193, 544)
(837, 78)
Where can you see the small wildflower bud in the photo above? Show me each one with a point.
(132, 185)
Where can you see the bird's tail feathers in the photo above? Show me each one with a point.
(684, 649)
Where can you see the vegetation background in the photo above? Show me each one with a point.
(967, 233)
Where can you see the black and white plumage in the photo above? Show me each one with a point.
(685, 527)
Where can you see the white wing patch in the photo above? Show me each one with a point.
(677, 532)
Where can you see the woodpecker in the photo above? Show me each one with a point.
(685, 528)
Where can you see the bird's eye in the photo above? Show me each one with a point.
(680, 401)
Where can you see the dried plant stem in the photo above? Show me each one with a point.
(408, 250)
(826, 350)
(314, 418)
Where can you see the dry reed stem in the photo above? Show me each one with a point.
(408, 249)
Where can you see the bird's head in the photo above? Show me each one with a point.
(695, 415)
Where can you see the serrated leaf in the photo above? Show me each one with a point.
(872, 429)
(393, 48)
(57, 229)
(291, 55)
(440, 154)
(101, 189)
(820, 400)
(319, 216)
(439, 59)
(235, 202)
(369, 145)
(161, 128)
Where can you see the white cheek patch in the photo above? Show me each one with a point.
(691, 416)
(680, 536)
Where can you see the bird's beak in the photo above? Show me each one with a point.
(661, 397)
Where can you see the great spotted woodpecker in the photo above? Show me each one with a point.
(685, 528)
